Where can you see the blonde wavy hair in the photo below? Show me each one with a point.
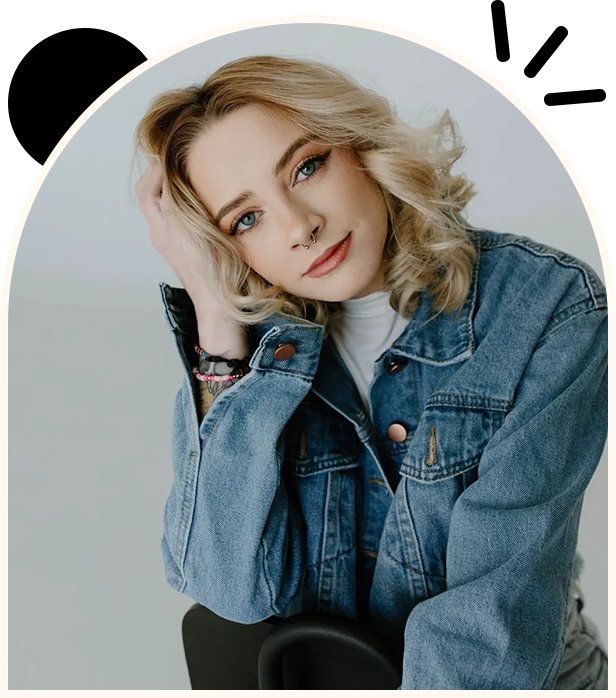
(427, 242)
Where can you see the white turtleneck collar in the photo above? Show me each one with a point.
(367, 327)
(372, 305)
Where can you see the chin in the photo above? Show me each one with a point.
(359, 283)
(343, 292)
(336, 287)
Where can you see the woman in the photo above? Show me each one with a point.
(387, 414)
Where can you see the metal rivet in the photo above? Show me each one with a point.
(396, 432)
(284, 352)
(396, 365)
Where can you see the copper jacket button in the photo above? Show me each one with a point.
(284, 352)
(396, 432)
(395, 366)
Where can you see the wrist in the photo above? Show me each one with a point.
(212, 316)
(227, 340)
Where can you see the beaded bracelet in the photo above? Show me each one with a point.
(208, 364)
(204, 353)
(220, 359)
(217, 379)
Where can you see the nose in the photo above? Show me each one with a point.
(298, 221)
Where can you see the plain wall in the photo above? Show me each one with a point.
(93, 370)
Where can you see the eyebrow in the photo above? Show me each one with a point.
(234, 203)
(289, 152)
(280, 165)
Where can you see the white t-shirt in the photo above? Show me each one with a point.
(368, 327)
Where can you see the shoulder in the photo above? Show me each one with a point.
(516, 271)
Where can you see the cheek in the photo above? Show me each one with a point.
(266, 265)
(373, 203)
(251, 259)
(358, 191)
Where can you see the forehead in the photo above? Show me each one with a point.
(237, 152)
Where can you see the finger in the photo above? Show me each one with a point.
(149, 197)
(149, 180)
(150, 172)
(165, 204)
(144, 184)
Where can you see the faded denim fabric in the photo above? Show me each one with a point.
(459, 543)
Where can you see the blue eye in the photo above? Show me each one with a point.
(248, 220)
(308, 168)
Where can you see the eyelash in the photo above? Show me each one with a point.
(320, 159)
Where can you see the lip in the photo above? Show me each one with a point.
(330, 259)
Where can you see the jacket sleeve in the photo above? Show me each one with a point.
(233, 540)
(513, 533)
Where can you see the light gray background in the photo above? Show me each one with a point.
(93, 371)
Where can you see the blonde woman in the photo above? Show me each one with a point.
(387, 414)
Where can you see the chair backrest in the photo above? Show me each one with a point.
(221, 654)
(326, 651)
(303, 651)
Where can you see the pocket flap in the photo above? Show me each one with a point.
(319, 439)
(448, 441)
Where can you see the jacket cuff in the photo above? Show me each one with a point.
(304, 338)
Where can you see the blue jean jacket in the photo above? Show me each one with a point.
(459, 541)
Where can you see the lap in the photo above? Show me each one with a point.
(584, 665)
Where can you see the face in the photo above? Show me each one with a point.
(269, 187)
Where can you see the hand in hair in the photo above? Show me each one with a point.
(217, 334)
(166, 236)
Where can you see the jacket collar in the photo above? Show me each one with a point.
(448, 337)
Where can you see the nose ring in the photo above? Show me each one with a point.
(312, 237)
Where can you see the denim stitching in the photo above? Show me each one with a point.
(322, 465)
(188, 512)
(403, 512)
(324, 542)
(453, 469)
(568, 312)
(474, 401)
(415, 569)
(562, 258)
(315, 565)
(568, 319)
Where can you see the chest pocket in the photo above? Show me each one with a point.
(319, 439)
(449, 440)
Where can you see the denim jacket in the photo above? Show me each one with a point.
(458, 539)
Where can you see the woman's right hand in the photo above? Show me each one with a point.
(166, 237)
(218, 333)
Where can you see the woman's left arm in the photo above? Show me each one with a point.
(514, 531)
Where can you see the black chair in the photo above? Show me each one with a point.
(304, 651)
